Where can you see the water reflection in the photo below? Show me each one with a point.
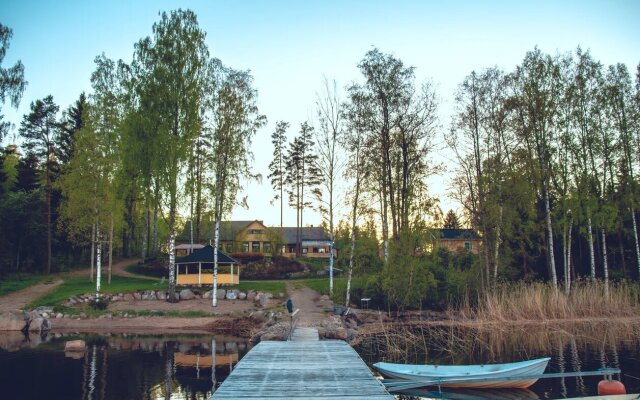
(116, 366)
(575, 347)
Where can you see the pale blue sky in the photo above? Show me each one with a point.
(289, 46)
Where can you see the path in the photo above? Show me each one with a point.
(313, 310)
(18, 300)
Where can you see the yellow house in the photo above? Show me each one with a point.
(255, 237)
(459, 239)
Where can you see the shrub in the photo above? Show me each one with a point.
(246, 258)
(277, 268)
(99, 303)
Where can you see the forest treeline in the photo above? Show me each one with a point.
(546, 159)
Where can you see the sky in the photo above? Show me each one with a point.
(290, 46)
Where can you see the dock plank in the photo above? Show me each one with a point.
(304, 368)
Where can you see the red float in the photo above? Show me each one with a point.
(607, 387)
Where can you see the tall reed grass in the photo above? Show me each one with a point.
(539, 301)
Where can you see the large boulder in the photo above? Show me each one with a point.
(39, 324)
(262, 299)
(232, 295)
(207, 294)
(75, 345)
(222, 294)
(15, 320)
(251, 295)
(187, 294)
(242, 296)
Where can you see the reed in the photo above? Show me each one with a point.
(539, 301)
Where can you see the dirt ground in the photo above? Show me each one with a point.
(313, 309)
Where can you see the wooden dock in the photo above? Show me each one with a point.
(303, 368)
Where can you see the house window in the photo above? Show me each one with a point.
(468, 246)
(266, 247)
(322, 250)
(255, 231)
(255, 247)
(316, 250)
(245, 247)
(305, 250)
(228, 247)
(292, 249)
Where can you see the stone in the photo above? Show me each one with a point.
(263, 298)
(145, 296)
(207, 294)
(59, 315)
(137, 296)
(221, 294)
(259, 316)
(242, 296)
(232, 295)
(16, 320)
(153, 296)
(162, 295)
(187, 294)
(251, 295)
(281, 295)
(39, 325)
(75, 345)
(128, 297)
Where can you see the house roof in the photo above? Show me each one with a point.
(205, 255)
(307, 233)
(230, 229)
(458, 234)
(187, 246)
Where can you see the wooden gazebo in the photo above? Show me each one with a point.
(197, 268)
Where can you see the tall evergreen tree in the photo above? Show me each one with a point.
(39, 128)
(277, 172)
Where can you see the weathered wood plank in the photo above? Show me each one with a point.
(306, 368)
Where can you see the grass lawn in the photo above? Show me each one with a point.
(12, 284)
(321, 285)
(80, 285)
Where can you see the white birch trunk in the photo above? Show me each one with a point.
(98, 262)
(496, 250)
(592, 254)
(110, 249)
(605, 264)
(635, 235)
(216, 238)
(568, 277)
(172, 266)
(552, 261)
(93, 250)
(145, 233)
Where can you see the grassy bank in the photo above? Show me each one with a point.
(80, 285)
(14, 283)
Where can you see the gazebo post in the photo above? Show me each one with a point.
(199, 274)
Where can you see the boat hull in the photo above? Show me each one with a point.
(469, 376)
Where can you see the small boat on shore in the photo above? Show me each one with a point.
(468, 376)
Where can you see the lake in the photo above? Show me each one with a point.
(180, 367)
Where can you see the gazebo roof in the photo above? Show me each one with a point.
(205, 255)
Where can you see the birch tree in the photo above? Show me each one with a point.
(235, 121)
(12, 82)
(330, 159)
(172, 63)
(537, 88)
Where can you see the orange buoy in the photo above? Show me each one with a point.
(607, 387)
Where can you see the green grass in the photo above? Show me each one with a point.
(13, 284)
(321, 285)
(273, 287)
(158, 313)
(80, 285)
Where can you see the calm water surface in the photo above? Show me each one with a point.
(180, 367)
(116, 366)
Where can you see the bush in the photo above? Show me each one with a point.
(277, 268)
(246, 258)
(99, 303)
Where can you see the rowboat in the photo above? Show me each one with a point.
(468, 376)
